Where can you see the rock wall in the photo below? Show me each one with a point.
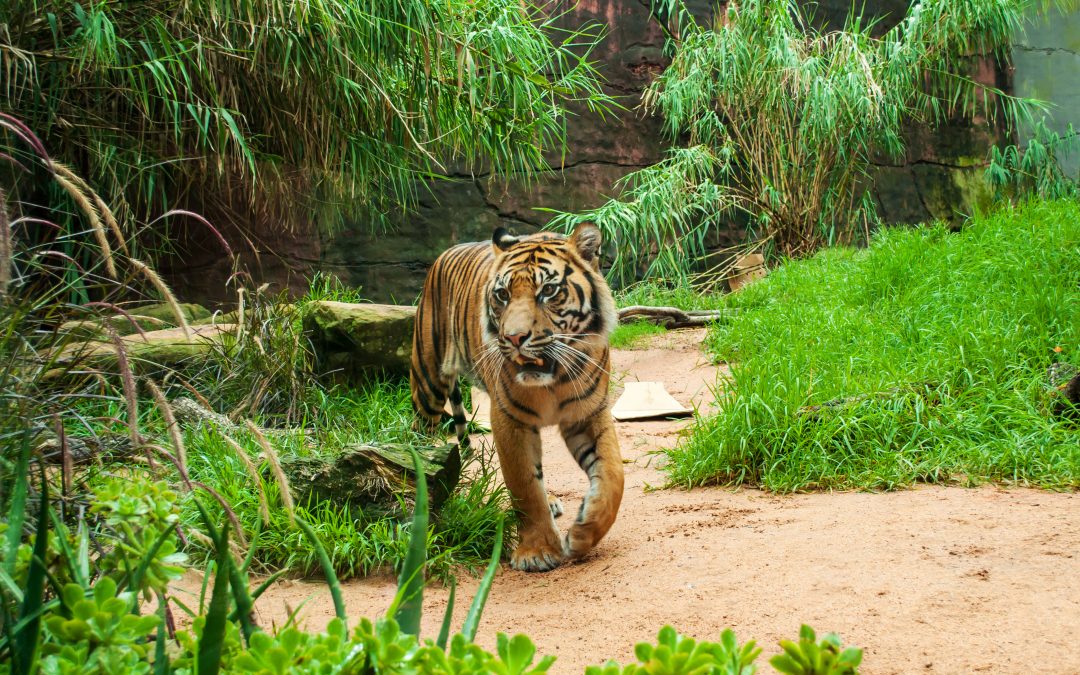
(940, 171)
(390, 266)
(939, 175)
(1046, 59)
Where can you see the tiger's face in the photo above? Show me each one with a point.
(548, 309)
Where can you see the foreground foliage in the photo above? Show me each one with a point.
(921, 358)
(66, 610)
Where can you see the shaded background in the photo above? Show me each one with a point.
(940, 175)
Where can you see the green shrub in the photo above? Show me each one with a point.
(810, 657)
(280, 110)
(1035, 170)
(675, 654)
(921, 358)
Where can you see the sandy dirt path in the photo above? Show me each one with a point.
(929, 580)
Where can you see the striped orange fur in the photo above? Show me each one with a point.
(527, 319)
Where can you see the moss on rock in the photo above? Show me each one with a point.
(354, 341)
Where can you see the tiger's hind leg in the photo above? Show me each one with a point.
(593, 444)
(429, 402)
(457, 408)
(429, 395)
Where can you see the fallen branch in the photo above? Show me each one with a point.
(671, 317)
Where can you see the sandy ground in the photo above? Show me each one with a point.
(941, 580)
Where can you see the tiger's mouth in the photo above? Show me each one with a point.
(532, 365)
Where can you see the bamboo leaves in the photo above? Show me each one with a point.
(789, 117)
(339, 102)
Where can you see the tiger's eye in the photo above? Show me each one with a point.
(501, 295)
(549, 291)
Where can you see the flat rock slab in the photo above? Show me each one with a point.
(151, 350)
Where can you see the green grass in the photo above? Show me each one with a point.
(659, 294)
(268, 378)
(357, 541)
(948, 335)
(632, 335)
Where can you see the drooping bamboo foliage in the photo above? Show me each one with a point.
(281, 107)
(787, 116)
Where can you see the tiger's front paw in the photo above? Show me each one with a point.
(536, 554)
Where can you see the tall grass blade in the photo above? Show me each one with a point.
(448, 616)
(328, 569)
(170, 299)
(213, 637)
(410, 595)
(161, 658)
(28, 634)
(243, 601)
(68, 556)
(275, 464)
(5, 245)
(10, 586)
(472, 620)
(262, 588)
(17, 508)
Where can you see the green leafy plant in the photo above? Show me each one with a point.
(782, 119)
(675, 654)
(1035, 170)
(142, 517)
(101, 635)
(810, 657)
(162, 101)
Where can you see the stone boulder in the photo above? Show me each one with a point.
(353, 341)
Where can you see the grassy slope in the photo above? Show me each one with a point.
(633, 335)
(964, 324)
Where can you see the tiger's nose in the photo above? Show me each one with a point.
(517, 338)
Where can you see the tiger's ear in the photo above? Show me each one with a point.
(502, 239)
(587, 239)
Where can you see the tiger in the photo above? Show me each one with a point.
(527, 319)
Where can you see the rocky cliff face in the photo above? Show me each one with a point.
(939, 172)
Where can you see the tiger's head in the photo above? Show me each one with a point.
(548, 308)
